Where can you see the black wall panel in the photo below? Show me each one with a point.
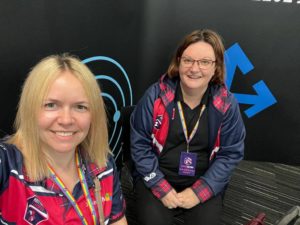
(134, 41)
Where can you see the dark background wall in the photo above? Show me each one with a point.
(128, 45)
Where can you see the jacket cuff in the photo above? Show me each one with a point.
(161, 188)
(202, 190)
(120, 215)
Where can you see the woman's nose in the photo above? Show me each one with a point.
(195, 66)
(65, 117)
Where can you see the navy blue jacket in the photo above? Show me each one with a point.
(149, 130)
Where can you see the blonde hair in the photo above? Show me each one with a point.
(95, 146)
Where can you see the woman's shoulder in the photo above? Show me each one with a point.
(11, 153)
(222, 99)
(9, 149)
(162, 85)
(11, 159)
(219, 90)
(111, 164)
(106, 170)
(160, 89)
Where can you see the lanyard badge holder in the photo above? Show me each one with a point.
(87, 195)
(187, 164)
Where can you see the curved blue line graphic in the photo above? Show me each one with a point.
(115, 106)
(104, 77)
(119, 136)
(126, 99)
(116, 156)
(105, 58)
(117, 113)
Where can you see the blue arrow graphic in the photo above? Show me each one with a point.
(261, 101)
(236, 58)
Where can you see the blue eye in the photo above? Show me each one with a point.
(50, 106)
(81, 108)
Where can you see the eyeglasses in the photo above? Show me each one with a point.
(202, 63)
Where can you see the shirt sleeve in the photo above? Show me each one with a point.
(143, 156)
(1, 167)
(161, 188)
(118, 201)
(4, 167)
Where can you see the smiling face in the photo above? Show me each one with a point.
(193, 77)
(64, 119)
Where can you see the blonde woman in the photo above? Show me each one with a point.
(57, 167)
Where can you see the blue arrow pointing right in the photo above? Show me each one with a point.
(261, 101)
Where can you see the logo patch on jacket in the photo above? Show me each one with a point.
(158, 121)
(35, 211)
(107, 197)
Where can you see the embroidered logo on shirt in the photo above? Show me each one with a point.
(158, 122)
(107, 197)
(151, 176)
(35, 211)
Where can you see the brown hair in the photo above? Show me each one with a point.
(207, 36)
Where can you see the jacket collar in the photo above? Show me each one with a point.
(167, 89)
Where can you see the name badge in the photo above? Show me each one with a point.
(187, 166)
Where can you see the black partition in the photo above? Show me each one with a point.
(128, 45)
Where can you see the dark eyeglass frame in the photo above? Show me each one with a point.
(202, 63)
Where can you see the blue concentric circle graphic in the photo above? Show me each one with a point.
(117, 93)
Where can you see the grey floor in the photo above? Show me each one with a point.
(261, 187)
(255, 187)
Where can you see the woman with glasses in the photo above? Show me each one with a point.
(187, 136)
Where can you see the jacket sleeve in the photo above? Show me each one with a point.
(3, 175)
(229, 153)
(7, 158)
(145, 159)
(118, 202)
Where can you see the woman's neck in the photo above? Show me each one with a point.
(192, 97)
(65, 167)
(62, 160)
